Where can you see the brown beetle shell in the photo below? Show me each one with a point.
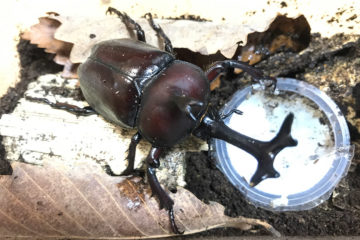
(133, 84)
(161, 121)
(112, 78)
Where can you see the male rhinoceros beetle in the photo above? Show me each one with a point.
(135, 85)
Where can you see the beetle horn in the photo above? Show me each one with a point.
(213, 126)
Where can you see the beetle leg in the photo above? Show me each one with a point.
(131, 154)
(165, 200)
(223, 67)
(85, 111)
(160, 33)
(129, 23)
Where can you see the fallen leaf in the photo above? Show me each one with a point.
(210, 37)
(84, 33)
(204, 37)
(42, 34)
(80, 201)
(283, 33)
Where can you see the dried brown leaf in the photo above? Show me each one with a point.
(275, 31)
(80, 201)
(204, 37)
(283, 32)
(42, 34)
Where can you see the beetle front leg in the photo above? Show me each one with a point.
(129, 23)
(79, 111)
(160, 33)
(165, 200)
(223, 67)
(131, 154)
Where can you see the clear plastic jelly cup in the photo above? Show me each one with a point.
(310, 171)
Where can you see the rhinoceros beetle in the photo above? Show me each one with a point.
(136, 85)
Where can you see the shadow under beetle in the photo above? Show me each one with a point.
(135, 85)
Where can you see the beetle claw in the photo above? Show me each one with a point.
(174, 227)
(133, 172)
(111, 10)
(156, 189)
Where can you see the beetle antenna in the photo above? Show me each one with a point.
(222, 67)
(213, 126)
(237, 111)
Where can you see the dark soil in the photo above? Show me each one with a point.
(34, 62)
(338, 216)
(323, 59)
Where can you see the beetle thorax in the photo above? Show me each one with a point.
(173, 104)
